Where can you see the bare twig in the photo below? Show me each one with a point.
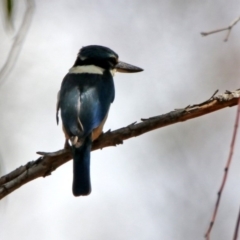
(18, 41)
(45, 165)
(229, 28)
(207, 235)
(237, 227)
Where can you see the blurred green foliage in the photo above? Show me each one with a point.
(8, 9)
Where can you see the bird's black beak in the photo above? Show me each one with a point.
(127, 68)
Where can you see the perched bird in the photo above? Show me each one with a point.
(84, 99)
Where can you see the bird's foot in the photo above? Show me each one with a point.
(67, 145)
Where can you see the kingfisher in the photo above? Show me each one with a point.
(84, 99)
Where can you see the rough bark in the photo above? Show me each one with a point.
(49, 162)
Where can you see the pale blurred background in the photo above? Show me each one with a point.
(161, 185)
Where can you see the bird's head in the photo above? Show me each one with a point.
(104, 58)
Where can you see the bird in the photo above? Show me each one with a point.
(84, 99)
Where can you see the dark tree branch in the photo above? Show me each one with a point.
(49, 162)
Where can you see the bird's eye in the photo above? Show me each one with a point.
(113, 61)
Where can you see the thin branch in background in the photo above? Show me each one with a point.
(235, 237)
(228, 29)
(226, 170)
(49, 162)
(18, 41)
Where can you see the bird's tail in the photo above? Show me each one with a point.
(81, 168)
